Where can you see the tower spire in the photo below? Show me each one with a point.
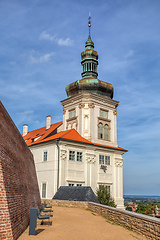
(89, 42)
(89, 82)
(89, 23)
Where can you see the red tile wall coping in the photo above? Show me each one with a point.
(18, 181)
(142, 224)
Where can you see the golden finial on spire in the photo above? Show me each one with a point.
(89, 20)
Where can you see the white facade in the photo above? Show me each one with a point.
(88, 108)
(89, 155)
(87, 172)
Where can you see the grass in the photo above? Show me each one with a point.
(115, 223)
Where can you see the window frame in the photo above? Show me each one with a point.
(104, 158)
(42, 190)
(106, 134)
(45, 156)
(108, 187)
(71, 155)
(70, 184)
(78, 156)
(71, 111)
(103, 111)
(107, 160)
(104, 130)
(74, 184)
(100, 130)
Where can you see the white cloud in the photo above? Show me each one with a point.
(45, 58)
(26, 112)
(47, 36)
(64, 42)
(59, 41)
(129, 54)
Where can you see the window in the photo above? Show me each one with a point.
(108, 188)
(79, 156)
(107, 160)
(43, 190)
(74, 184)
(71, 184)
(103, 114)
(44, 156)
(72, 155)
(106, 135)
(103, 131)
(104, 160)
(100, 130)
(75, 156)
(72, 114)
(101, 159)
(103, 125)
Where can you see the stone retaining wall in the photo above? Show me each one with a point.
(65, 203)
(142, 224)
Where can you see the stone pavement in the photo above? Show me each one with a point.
(80, 224)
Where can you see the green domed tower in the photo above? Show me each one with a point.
(90, 108)
(89, 82)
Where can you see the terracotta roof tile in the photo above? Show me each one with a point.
(40, 133)
(68, 135)
(71, 135)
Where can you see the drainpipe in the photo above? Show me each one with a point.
(57, 141)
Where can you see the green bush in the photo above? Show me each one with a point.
(104, 197)
(129, 208)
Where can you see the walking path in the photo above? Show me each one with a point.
(80, 224)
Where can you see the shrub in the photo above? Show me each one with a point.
(104, 196)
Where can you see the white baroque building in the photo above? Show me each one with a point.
(82, 150)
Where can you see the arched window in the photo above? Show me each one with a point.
(106, 134)
(100, 130)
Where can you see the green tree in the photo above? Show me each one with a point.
(104, 196)
(141, 208)
(129, 208)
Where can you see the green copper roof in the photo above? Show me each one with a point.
(89, 82)
(90, 85)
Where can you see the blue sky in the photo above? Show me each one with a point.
(40, 46)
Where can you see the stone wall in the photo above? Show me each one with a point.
(18, 181)
(65, 203)
(142, 224)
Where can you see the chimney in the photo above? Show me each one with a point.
(48, 122)
(25, 129)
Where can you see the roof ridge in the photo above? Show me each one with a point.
(67, 131)
(44, 127)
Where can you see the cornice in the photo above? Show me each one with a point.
(86, 97)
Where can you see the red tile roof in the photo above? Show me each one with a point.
(40, 133)
(71, 135)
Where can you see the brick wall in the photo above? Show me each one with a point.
(18, 181)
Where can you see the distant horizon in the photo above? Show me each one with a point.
(143, 196)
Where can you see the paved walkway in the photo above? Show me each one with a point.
(80, 224)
